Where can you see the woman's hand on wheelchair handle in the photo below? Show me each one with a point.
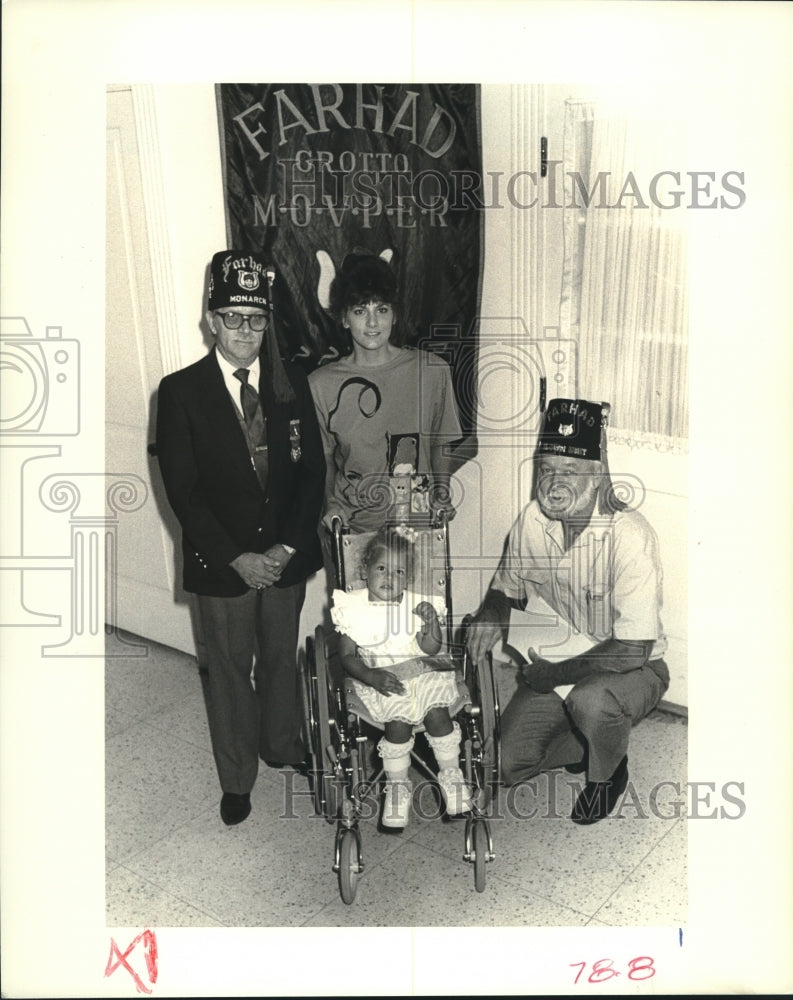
(332, 514)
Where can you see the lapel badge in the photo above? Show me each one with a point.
(294, 440)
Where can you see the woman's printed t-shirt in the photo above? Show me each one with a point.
(376, 420)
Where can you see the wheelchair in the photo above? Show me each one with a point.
(340, 734)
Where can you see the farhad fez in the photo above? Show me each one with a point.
(242, 278)
(574, 428)
(238, 278)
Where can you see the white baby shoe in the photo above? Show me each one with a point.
(455, 791)
(396, 804)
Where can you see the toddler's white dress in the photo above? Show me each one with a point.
(385, 633)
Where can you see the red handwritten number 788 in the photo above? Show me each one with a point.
(641, 967)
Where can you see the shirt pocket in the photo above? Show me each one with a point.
(599, 611)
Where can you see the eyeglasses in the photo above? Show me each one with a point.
(234, 320)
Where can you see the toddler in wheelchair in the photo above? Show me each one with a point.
(390, 644)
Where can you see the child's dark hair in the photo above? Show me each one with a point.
(389, 540)
(362, 278)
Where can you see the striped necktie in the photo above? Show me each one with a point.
(254, 423)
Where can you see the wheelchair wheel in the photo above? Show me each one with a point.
(328, 786)
(322, 736)
(491, 726)
(308, 692)
(348, 865)
(481, 852)
(482, 746)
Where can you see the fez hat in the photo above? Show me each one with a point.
(574, 428)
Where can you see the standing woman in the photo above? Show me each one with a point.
(387, 414)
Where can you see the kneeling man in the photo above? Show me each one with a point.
(595, 562)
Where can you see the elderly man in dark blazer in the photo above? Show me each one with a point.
(243, 467)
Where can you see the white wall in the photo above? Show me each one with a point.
(493, 486)
(187, 128)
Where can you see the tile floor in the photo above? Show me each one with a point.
(171, 862)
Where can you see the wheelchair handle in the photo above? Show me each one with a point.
(336, 527)
(439, 517)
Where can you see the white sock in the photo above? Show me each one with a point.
(396, 758)
(446, 748)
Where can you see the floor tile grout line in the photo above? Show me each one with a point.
(167, 892)
(512, 881)
(635, 868)
(147, 720)
(495, 875)
(654, 847)
(151, 844)
(181, 739)
(145, 878)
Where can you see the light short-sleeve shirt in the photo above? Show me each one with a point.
(608, 584)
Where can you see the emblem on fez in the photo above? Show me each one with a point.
(248, 280)
(565, 429)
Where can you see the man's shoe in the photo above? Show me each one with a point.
(580, 766)
(598, 798)
(396, 804)
(235, 808)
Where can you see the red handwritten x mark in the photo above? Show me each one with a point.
(150, 952)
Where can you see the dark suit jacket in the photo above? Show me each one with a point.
(212, 486)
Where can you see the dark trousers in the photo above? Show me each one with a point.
(541, 731)
(264, 718)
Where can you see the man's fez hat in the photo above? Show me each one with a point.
(239, 278)
(242, 278)
(574, 428)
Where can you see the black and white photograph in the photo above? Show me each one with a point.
(372, 450)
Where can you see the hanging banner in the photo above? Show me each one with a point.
(327, 168)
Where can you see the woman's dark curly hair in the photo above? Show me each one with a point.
(363, 278)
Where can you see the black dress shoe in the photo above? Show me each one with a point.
(598, 798)
(235, 808)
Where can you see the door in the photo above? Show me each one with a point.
(143, 591)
